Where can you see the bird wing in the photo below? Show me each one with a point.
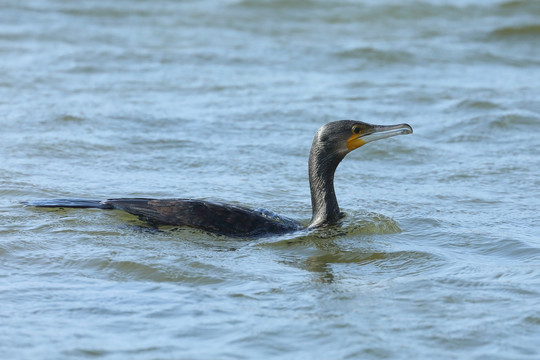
(215, 217)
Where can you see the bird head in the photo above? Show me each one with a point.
(344, 136)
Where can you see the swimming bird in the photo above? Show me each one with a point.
(331, 143)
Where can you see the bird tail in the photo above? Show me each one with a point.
(69, 203)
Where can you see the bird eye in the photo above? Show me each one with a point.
(356, 129)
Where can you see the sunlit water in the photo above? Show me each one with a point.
(438, 257)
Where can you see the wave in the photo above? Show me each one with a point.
(510, 248)
(524, 32)
(489, 126)
(376, 55)
(281, 4)
(476, 105)
(355, 224)
(520, 6)
(395, 259)
(358, 223)
(510, 58)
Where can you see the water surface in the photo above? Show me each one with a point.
(438, 256)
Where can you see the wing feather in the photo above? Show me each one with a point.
(215, 217)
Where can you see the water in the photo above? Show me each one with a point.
(438, 256)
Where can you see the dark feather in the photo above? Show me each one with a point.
(210, 216)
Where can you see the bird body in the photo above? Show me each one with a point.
(331, 144)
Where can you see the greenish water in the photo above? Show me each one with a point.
(438, 257)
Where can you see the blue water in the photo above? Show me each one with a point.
(438, 256)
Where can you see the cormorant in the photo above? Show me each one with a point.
(330, 145)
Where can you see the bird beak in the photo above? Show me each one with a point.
(377, 132)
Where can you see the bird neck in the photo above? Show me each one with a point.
(322, 166)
